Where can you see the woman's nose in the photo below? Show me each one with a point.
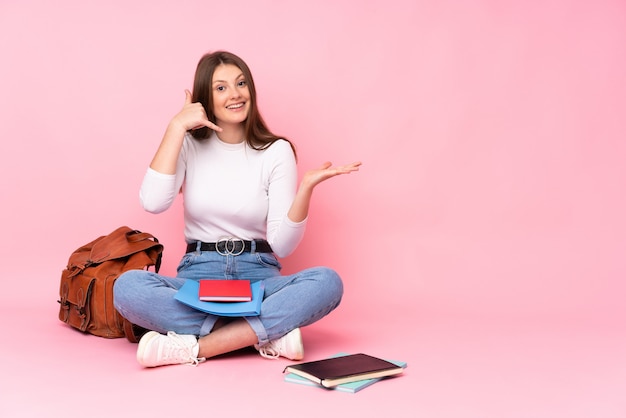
(235, 93)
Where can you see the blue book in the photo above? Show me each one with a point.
(351, 387)
(188, 294)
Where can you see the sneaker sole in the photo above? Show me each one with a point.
(143, 343)
(297, 350)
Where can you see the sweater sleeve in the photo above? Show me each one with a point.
(158, 191)
(283, 234)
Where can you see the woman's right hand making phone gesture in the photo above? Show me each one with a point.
(191, 116)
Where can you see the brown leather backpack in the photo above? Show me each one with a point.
(86, 289)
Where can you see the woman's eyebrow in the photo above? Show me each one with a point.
(224, 81)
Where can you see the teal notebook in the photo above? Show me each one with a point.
(188, 294)
(351, 387)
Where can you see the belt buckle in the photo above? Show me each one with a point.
(230, 246)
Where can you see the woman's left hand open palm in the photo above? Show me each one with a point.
(313, 177)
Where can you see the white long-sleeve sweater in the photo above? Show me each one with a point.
(230, 190)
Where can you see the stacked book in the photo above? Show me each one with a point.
(343, 372)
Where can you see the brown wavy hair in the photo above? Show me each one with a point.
(257, 134)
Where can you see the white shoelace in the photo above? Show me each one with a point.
(181, 350)
(269, 351)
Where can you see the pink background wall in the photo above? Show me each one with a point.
(492, 135)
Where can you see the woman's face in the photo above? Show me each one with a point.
(231, 97)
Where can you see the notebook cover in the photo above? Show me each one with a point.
(188, 294)
(353, 365)
(224, 290)
(351, 387)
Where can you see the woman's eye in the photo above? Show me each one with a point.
(241, 83)
(220, 88)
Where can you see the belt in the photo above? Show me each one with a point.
(232, 246)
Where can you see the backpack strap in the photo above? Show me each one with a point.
(121, 243)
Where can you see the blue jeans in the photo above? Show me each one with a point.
(147, 299)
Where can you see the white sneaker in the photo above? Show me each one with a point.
(159, 350)
(289, 346)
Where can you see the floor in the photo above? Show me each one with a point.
(457, 367)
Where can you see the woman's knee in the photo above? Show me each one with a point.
(330, 281)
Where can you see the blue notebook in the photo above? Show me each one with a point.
(351, 387)
(188, 294)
